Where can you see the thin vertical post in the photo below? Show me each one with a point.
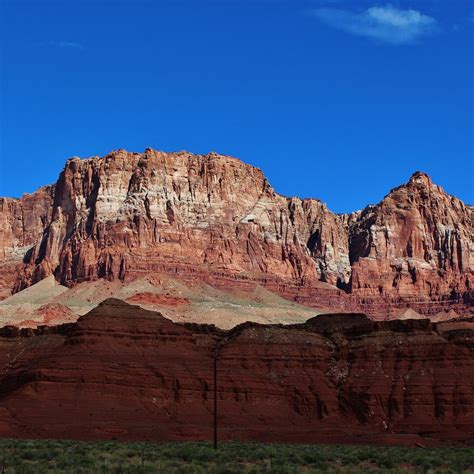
(215, 399)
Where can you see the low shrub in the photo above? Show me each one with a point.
(109, 457)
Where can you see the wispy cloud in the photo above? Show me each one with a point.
(388, 24)
(69, 44)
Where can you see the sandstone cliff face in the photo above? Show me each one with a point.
(22, 223)
(216, 218)
(417, 242)
(336, 378)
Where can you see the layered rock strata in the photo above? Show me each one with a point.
(335, 379)
(217, 219)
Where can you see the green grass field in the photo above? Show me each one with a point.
(115, 457)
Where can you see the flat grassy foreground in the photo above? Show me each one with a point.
(23, 456)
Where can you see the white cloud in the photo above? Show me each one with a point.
(388, 24)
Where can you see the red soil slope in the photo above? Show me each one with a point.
(165, 300)
(127, 373)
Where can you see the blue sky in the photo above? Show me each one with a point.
(339, 100)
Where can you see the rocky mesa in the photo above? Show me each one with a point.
(216, 219)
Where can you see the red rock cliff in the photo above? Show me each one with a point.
(216, 218)
(336, 378)
(417, 244)
(22, 223)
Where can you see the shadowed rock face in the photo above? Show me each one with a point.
(127, 373)
(217, 219)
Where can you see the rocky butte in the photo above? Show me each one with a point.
(216, 219)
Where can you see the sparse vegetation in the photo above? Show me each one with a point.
(27, 456)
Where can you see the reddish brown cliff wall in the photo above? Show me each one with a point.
(216, 218)
(123, 372)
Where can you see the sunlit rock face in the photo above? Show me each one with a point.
(217, 219)
(418, 240)
(22, 223)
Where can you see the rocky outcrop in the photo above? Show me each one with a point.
(22, 223)
(337, 378)
(418, 240)
(217, 219)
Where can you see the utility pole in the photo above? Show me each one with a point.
(215, 396)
